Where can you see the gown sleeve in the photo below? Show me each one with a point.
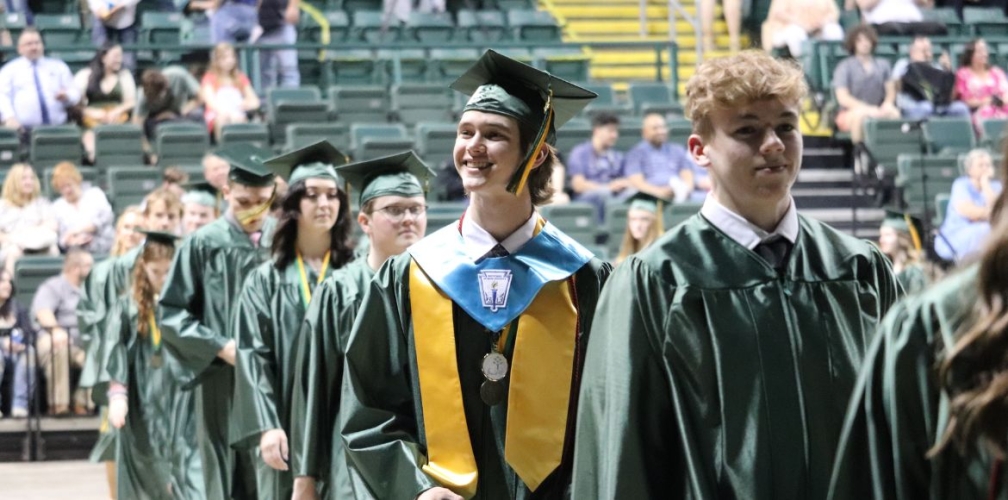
(90, 313)
(118, 332)
(256, 384)
(378, 417)
(624, 393)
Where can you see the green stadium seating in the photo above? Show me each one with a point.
(450, 63)
(941, 206)
(885, 140)
(76, 60)
(679, 130)
(161, 28)
(13, 22)
(677, 213)
(576, 219)
(950, 136)
(10, 147)
(127, 186)
(356, 67)
(435, 141)
(522, 54)
(993, 132)
(405, 65)
(294, 105)
(946, 16)
(184, 143)
(360, 131)
(303, 134)
(568, 63)
(256, 134)
(533, 25)
(372, 26)
(414, 103)
(59, 30)
(118, 146)
(615, 225)
(360, 104)
(429, 27)
(53, 144)
(940, 172)
(482, 26)
(606, 100)
(30, 271)
(507, 5)
(571, 135)
(986, 21)
(649, 97)
(370, 141)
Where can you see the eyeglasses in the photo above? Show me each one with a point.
(396, 213)
(317, 195)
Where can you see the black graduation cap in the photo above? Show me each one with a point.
(402, 174)
(162, 237)
(311, 161)
(905, 223)
(246, 163)
(501, 85)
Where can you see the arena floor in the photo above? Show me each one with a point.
(80, 480)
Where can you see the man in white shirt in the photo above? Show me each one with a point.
(35, 90)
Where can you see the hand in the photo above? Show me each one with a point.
(273, 448)
(617, 185)
(59, 337)
(12, 123)
(439, 493)
(292, 15)
(304, 488)
(117, 411)
(227, 353)
(62, 95)
(945, 61)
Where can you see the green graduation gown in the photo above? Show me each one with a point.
(268, 320)
(91, 314)
(912, 278)
(710, 375)
(316, 448)
(197, 302)
(143, 462)
(898, 413)
(381, 414)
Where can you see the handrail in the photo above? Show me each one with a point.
(674, 6)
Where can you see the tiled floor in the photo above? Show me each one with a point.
(78, 480)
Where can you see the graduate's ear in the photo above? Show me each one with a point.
(698, 150)
(365, 222)
(540, 156)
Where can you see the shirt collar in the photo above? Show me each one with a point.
(478, 242)
(744, 232)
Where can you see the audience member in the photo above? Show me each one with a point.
(925, 87)
(128, 233)
(653, 164)
(279, 20)
(83, 213)
(16, 336)
(897, 17)
(174, 95)
(644, 226)
(215, 171)
(162, 211)
(596, 167)
(27, 222)
(862, 84)
(692, 184)
(115, 20)
(108, 93)
(982, 86)
(233, 21)
(558, 183)
(174, 179)
(791, 22)
(900, 240)
(59, 344)
(732, 10)
(34, 89)
(967, 219)
(226, 91)
(199, 207)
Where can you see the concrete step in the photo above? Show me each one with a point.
(65, 438)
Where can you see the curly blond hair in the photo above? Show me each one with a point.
(728, 82)
(12, 185)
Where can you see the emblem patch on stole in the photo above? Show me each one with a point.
(494, 287)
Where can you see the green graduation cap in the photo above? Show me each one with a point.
(246, 163)
(501, 85)
(200, 193)
(905, 223)
(160, 237)
(312, 161)
(644, 201)
(402, 174)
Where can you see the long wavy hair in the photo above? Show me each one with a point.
(631, 245)
(285, 238)
(12, 185)
(97, 66)
(974, 373)
(143, 290)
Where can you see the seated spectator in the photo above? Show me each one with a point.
(983, 87)
(215, 171)
(174, 95)
(175, 179)
(652, 164)
(34, 89)
(82, 212)
(17, 334)
(790, 22)
(732, 11)
(128, 235)
(199, 207)
(109, 93)
(862, 84)
(558, 183)
(967, 219)
(644, 226)
(900, 240)
(27, 222)
(115, 20)
(692, 184)
(596, 167)
(925, 87)
(59, 344)
(226, 91)
(897, 17)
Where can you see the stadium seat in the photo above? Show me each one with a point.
(629, 133)
(161, 28)
(53, 144)
(360, 131)
(127, 186)
(14, 22)
(950, 136)
(946, 16)
(59, 31)
(118, 146)
(885, 140)
(615, 226)
(303, 134)
(404, 65)
(30, 271)
(522, 54)
(356, 67)
(375, 140)
(993, 132)
(76, 60)
(414, 103)
(679, 130)
(371, 26)
(577, 220)
(294, 105)
(533, 26)
(256, 134)
(181, 143)
(568, 63)
(677, 213)
(482, 26)
(450, 63)
(10, 147)
(941, 206)
(606, 101)
(435, 141)
(986, 21)
(571, 135)
(647, 97)
(940, 173)
(430, 27)
(360, 104)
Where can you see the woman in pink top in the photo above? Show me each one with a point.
(227, 92)
(982, 87)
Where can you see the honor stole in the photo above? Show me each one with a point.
(541, 366)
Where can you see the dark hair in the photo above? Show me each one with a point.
(538, 182)
(9, 305)
(974, 372)
(285, 237)
(850, 41)
(603, 118)
(966, 59)
(98, 68)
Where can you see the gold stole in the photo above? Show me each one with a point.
(538, 398)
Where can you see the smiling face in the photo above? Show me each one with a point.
(487, 151)
(112, 61)
(753, 155)
(320, 205)
(981, 55)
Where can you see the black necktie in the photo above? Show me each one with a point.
(497, 251)
(774, 250)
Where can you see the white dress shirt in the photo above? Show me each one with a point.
(19, 99)
(478, 242)
(744, 232)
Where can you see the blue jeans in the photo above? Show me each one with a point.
(125, 36)
(919, 110)
(279, 63)
(24, 375)
(233, 23)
